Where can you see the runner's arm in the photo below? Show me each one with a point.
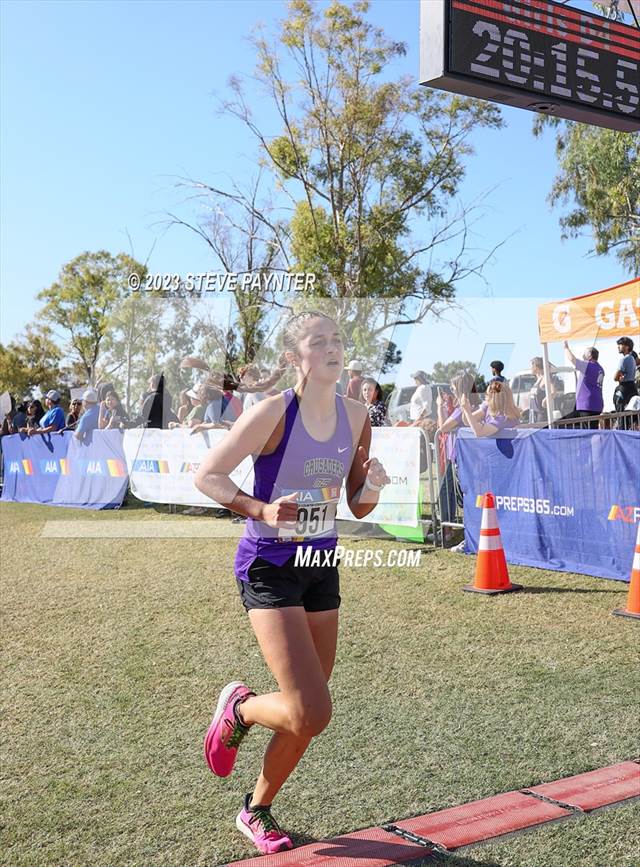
(249, 436)
(361, 498)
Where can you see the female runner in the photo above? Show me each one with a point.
(304, 442)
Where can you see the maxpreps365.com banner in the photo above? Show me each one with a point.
(566, 500)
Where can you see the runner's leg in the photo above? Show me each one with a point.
(299, 648)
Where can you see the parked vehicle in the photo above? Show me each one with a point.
(565, 397)
(399, 401)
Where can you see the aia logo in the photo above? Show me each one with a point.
(628, 514)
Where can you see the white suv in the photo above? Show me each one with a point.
(400, 400)
(564, 401)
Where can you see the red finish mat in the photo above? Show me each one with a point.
(481, 820)
(371, 848)
(595, 788)
(469, 823)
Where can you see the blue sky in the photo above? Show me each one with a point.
(105, 103)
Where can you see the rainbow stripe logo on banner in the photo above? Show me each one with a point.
(480, 501)
(189, 467)
(116, 468)
(628, 514)
(142, 465)
(27, 467)
(52, 467)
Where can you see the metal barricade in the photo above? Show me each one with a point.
(447, 502)
(432, 520)
(626, 420)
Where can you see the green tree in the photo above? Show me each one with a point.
(243, 241)
(83, 299)
(599, 180)
(392, 357)
(31, 361)
(367, 167)
(132, 344)
(445, 372)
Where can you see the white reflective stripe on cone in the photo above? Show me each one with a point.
(490, 543)
(636, 562)
(489, 519)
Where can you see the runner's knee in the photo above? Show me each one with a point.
(310, 719)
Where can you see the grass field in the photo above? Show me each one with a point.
(114, 651)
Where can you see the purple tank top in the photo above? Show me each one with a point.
(300, 463)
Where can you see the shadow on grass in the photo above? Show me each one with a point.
(448, 858)
(133, 504)
(572, 590)
(299, 838)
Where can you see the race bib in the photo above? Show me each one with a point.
(316, 514)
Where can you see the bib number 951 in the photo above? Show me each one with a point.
(314, 519)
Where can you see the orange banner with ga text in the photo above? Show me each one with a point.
(613, 312)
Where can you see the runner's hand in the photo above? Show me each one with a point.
(376, 473)
(283, 512)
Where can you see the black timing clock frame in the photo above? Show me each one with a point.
(535, 54)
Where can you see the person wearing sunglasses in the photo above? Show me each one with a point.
(73, 416)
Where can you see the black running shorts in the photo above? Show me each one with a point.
(316, 588)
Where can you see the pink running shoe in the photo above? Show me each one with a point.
(262, 829)
(226, 732)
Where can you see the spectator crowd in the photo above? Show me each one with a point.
(218, 400)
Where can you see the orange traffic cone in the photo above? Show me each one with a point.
(492, 575)
(633, 600)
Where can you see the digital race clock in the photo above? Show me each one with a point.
(534, 54)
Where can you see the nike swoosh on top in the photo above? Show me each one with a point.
(342, 450)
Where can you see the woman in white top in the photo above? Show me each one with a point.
(421, 399)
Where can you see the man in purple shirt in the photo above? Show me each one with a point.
(589, 400)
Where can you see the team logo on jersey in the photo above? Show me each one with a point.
(328, 466)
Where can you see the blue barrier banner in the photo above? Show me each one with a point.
(59, 470)
(565, 499)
